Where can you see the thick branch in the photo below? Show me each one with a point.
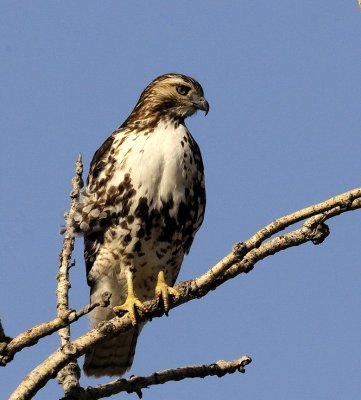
(136, 383)
(241, 259)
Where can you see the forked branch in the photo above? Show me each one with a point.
(241, 259)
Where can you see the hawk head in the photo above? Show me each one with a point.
(175, 95)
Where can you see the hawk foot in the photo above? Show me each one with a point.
(163, 291)
(132, 303)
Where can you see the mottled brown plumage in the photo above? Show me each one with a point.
(143, 204)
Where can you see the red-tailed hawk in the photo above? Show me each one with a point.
(143, 204)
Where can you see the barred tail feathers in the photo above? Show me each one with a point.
(112, 357)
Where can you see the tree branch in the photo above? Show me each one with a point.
(34, 334)
(136, 383)
(242, 259)
(69, 377)
(62, 292)
(336, 205)
(344, 202)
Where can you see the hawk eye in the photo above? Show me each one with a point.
(183, 90)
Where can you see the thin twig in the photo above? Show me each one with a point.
(4, 340)
(3, 337)
(69, 377)
(62, 292)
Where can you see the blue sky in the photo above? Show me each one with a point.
(283, 82)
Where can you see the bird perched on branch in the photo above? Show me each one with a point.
(142, 206)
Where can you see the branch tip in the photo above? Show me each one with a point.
(3, 338)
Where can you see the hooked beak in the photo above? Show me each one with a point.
(202, 104)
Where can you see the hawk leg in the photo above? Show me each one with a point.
(131, 303)
(163, 290)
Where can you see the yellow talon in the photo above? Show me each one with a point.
(131, 303)
(163, 290)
